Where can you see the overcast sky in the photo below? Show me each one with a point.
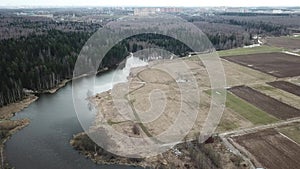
(186, 3)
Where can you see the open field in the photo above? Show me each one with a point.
(239, 75)
(150, 86)
(270, 149)
(286, 86)
(246, 51)
(144, 80)
(278, 94)
(248, 111)
(266, 103)
(284, 42)
(292, 131)
(153, 99)
(276, 64)
(232, 120)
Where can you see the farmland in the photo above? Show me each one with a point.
(270, 104)
(270, 149)
(278, 94)
(266, 103)
(276, 64)
(260, 104)
(292, 131)
(284, 42)
(286, 86)
(254, 50)
(248, 111)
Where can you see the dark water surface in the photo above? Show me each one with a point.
(44, 143)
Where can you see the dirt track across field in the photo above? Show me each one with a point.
(286, 86)
(276, 64)
(271, 149)
(266, 103)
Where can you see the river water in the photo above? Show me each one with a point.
(44, 143)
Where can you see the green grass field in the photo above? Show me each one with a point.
(292, 132)
(226, 125)
(244, 51)
(248, 111)
(245, 109)
(264, 88)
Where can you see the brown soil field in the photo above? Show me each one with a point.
(284, 42)
(270, 149)
(278, 94)
(286, 86)
(276, 64)
(266, 103)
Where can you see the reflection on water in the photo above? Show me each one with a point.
(119, 75)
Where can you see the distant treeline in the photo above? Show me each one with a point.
(230, 30)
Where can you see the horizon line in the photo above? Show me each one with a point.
(137, 6)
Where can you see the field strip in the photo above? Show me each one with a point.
(286, 86)
(291, 53)
(264, 102)
(289, 138)
(258, 128)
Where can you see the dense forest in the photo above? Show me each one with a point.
(37, 62)
(41, 62)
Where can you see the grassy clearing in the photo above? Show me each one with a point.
(264, 88)
(227, 125)
(248, 111)
(244, 51)
(292, 132)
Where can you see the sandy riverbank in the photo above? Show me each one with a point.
(8, 111)
(7, 129)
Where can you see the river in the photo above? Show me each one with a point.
(44, 143)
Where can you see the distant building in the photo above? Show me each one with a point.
(277, 11)
(151, 11)
(144, 11)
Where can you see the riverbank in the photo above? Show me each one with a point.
(8, 111)
(8, 127)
